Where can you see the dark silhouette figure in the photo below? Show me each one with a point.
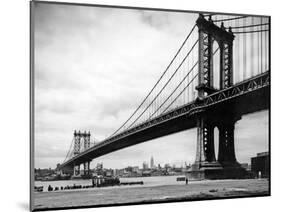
(50, 188)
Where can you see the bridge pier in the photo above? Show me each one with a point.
(76, 170)
(86, 168)
(226, 153)
(205, 165)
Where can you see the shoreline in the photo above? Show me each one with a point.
(140, 194)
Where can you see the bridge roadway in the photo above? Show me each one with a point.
(246, 97)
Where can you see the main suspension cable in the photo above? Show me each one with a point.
(156, 82)
(164, 85)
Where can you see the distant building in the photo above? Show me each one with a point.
(114, 172)
(119, 172)
(58, 166)
(144, 166)
(57, 170)
(260, 164)
(129, 169)
(135, 168)
(159, 167)
(146, 173)
(99, 166)
(109, 173)
(151, 162)
(41, 174)
(186, 167)
(167, 167)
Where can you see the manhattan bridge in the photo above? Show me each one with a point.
(219, 73)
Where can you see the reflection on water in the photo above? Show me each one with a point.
(148, 181)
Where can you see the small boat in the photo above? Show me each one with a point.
(101, 181)
(180, 178)
(38, 188)
(132, 183)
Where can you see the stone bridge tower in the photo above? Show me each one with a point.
(206, 164)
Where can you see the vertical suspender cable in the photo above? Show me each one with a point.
(261, 46)
(244, 50)
(236, 55)
(192, 61)
(252, 49)
(239, 54)
(258, 45)
(266, 47)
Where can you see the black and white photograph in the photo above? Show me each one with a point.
(135, 105)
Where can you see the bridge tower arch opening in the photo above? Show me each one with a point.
(216, 66)
(216, 141)
(210, 36)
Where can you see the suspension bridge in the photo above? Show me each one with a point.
(220, 73)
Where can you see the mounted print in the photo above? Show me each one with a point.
(143, 105)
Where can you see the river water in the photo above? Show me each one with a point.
(147, 181)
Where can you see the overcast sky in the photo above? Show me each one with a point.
(93, 66)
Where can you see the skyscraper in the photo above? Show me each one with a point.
(151, 162)
(145, 165)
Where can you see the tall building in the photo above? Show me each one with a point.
(99, 166)
(144, 166)
(151, 162)
(159, 166)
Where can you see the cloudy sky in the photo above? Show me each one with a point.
(93, 66)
